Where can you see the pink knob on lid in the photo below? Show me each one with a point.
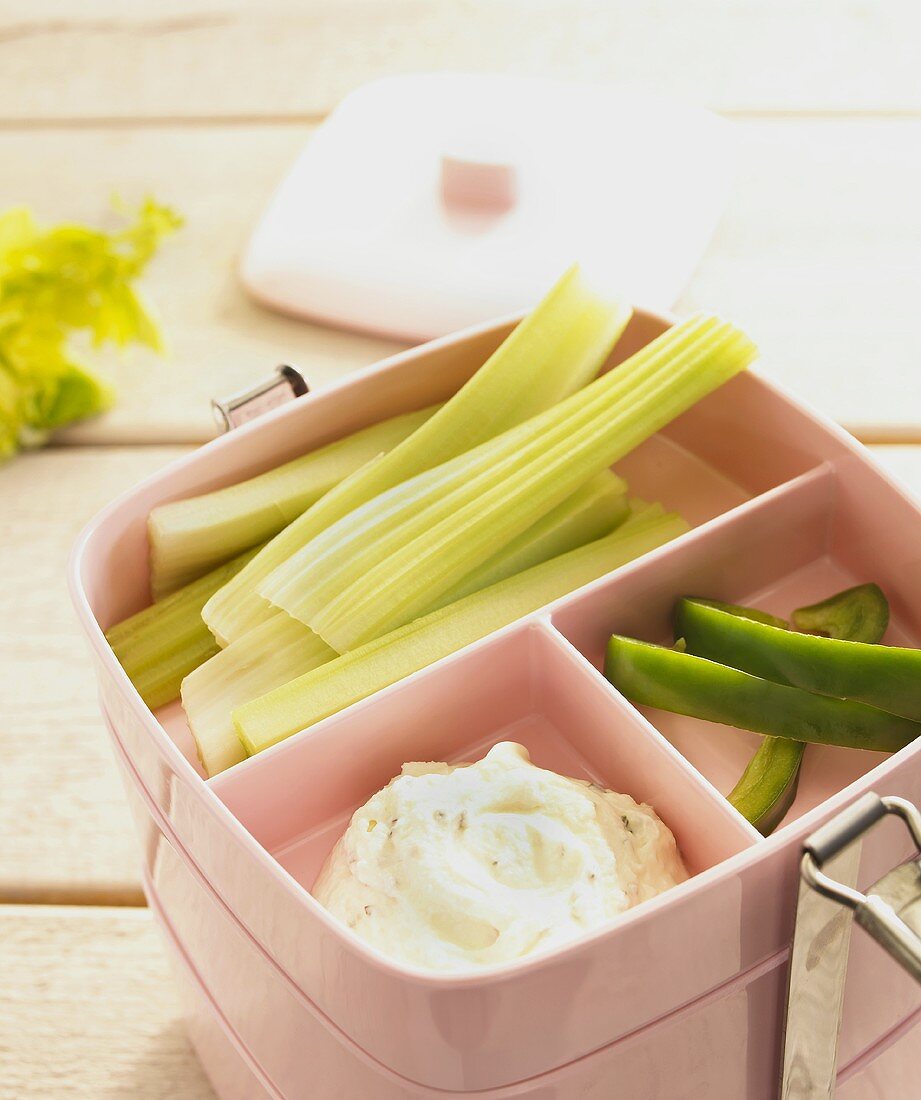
(471, 183)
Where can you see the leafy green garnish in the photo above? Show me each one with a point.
(53, 283)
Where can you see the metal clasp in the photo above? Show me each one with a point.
(828, 899)
(891, 910)
(284, 385)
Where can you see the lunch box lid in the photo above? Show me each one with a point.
(428, 203)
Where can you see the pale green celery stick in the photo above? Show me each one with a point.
(270, 655)
(389, 580)
(639, 507)
(188, 537)
(553, 352)
(641, 513)
(160, 645)
(358, 674)
(593, 510)
(281, 649)
(311, 578)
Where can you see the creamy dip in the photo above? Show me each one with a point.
(452, 868)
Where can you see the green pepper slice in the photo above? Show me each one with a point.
(654, 676)
(858, 614)
(886, 677)
(752, 613)
(766, 789)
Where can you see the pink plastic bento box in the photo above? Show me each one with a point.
(680, 997)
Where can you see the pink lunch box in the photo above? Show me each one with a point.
(680, 997)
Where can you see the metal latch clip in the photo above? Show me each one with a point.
(284, 385)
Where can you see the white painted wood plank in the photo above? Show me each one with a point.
(67, 833)
(819, 256)
(89, 1008)
(208, 58)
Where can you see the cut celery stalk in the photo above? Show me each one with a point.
(282, 649)
(594, 510)
(160, 645)
(552, 353)
(270, 655)
(308, 584)
(641, 509)
(358, 674)
(379, 567)
(189, 537)
(310, 578)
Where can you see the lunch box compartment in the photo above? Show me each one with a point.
(297, 798)
(683, 476)
(823, 532)
(693, 465)
(299, 1055)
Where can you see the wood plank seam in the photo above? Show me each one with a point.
(90, 897)
(314, 118)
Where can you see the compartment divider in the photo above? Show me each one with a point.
(327, 727)
(803, 495)
(621, 709)
(784, 528)
(823, 474)
(577, 626)
(525, 684)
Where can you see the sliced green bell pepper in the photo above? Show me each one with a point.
(657, 677)
(752, 613)
(886, 677)
(767, 787)
(859, 614)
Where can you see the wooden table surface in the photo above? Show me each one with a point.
(204, 103)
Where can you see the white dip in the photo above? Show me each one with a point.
(451, 868)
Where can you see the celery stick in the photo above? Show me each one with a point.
(367, 576)
(358, 674)
(188, 537)
(441, 542)
(268, 656)
(158, 646)
(640, 510)
(640, 507)
(552, 353)
(281, 649)
(594, 510)
(308, 580)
